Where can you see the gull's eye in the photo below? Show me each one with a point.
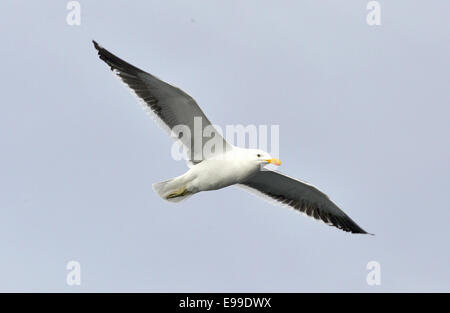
(258, 155)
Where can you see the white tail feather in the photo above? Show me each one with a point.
(166, 188)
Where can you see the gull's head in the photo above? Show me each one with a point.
(262, 157)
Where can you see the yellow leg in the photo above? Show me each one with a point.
(177, 193)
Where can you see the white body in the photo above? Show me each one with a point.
(232, 167)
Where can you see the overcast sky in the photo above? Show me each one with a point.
(363, 114)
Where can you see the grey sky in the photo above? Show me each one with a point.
(363, 114)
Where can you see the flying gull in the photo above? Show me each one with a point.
(171, 107)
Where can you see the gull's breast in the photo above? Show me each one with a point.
(216, 174)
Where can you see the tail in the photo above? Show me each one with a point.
(171, 190)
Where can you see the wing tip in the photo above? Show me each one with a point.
(362, 233)
(96, 45)
(101, 53)
(115, 63)
(352, 227)
(359, 231)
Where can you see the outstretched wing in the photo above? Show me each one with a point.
(302, 197)
(170, 105)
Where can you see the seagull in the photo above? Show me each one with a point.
(170, 107)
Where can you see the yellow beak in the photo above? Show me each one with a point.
(274, 161)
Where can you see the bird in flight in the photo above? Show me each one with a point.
(231, 165)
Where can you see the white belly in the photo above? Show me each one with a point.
(216, 174)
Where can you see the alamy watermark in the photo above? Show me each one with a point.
(73, 17)
(73, 278)
(206, 141)
(374, 276)
(373, 17)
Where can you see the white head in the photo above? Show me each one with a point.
(261, 157)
